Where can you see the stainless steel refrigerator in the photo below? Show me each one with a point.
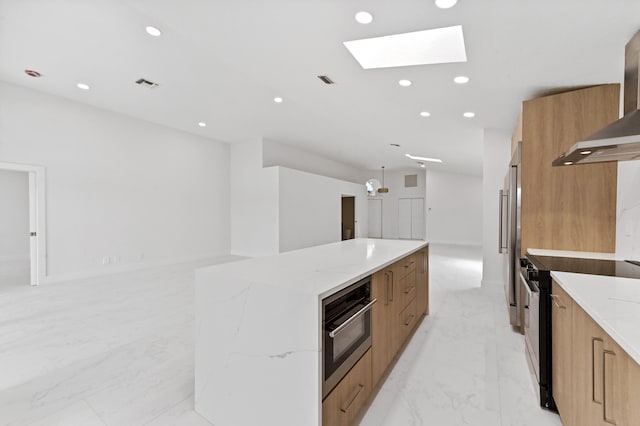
(510, 228)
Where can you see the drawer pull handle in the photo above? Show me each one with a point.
(346, 408)
(555, 299)
(392, 285)
(409, 319)
(608, 394)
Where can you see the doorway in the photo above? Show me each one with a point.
(22, 225)
(348, 217)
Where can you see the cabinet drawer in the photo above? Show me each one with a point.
(408, 265)
(408, 289)
(344, 402)
(408, 319)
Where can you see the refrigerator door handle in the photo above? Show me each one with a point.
(503, 247)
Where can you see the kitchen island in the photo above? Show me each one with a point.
(258, 357)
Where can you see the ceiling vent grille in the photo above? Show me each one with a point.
(325, 79)
(410, 181)
(146, 83)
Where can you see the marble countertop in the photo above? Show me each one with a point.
(321, 270)
(577, 254)
(613, 303)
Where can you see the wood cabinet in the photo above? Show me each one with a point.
(344, 402)
(422, 282)
(573, 207)
(595, 382)
(381, 323)
(561, 347)
(402, 293)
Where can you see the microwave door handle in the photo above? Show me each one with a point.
(352, 318)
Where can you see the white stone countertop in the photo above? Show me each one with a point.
(577, 254)
(320, 270)
(613, 303)
(258, 323)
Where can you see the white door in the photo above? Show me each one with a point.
(374, 218)
(417, 219)
(404, 218)
(411, 218)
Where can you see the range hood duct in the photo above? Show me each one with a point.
(619, 140)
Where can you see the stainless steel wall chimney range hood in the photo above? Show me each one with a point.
(619, 140)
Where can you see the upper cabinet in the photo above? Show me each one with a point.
(567, 208)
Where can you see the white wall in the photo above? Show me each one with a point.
(496, 157)
(135, 192)
(394, 180)
(454, 208)
(254, 202)
(14, 215)
(280, 154)
(628, 210)
(310, 209)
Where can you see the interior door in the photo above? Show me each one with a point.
(404, 218)
(374, 208)
(417, 219)
(33, 224)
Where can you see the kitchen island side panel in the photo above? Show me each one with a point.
(257, 353)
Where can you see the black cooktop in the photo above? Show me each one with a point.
(613, 268)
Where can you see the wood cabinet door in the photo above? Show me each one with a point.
(422, 282)
(621, 386)
(346, 400)
(588, 347)
(562, 349)
(381, 323)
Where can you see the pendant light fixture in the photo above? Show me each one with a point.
(383, 189)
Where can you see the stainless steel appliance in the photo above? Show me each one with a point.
(535, 275)
(510, 228)
(346, 331)
(537, 328)
(619, 140)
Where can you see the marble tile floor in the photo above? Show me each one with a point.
(118, 350)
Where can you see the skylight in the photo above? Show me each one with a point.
(437, 46)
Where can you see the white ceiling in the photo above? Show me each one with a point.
(223, 62)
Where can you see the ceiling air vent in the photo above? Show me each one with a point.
(146, 83)
(410, 181)
(325, 79)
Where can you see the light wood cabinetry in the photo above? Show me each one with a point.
(595, 382)
(422, 282)
(562, 342)
(574, 207)
(402, 291)
(381, 324)
(344, 402)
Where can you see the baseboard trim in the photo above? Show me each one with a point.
(119, 269)
(491, 283)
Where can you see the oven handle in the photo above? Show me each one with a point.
(352, 318)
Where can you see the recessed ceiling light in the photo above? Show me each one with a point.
(587, 152)
(83, 86)
(364, 17)
(394, 144)
(153, 31)
(568, 163)
(405, 83)
(461, 79)
(446, 4)
(433, 160)
(469, 114)
(278, 100)
(437, 46)
(425, 114)
(202, 124)
(422, 165)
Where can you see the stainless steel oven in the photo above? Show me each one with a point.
(346, 331)
(536, 289)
